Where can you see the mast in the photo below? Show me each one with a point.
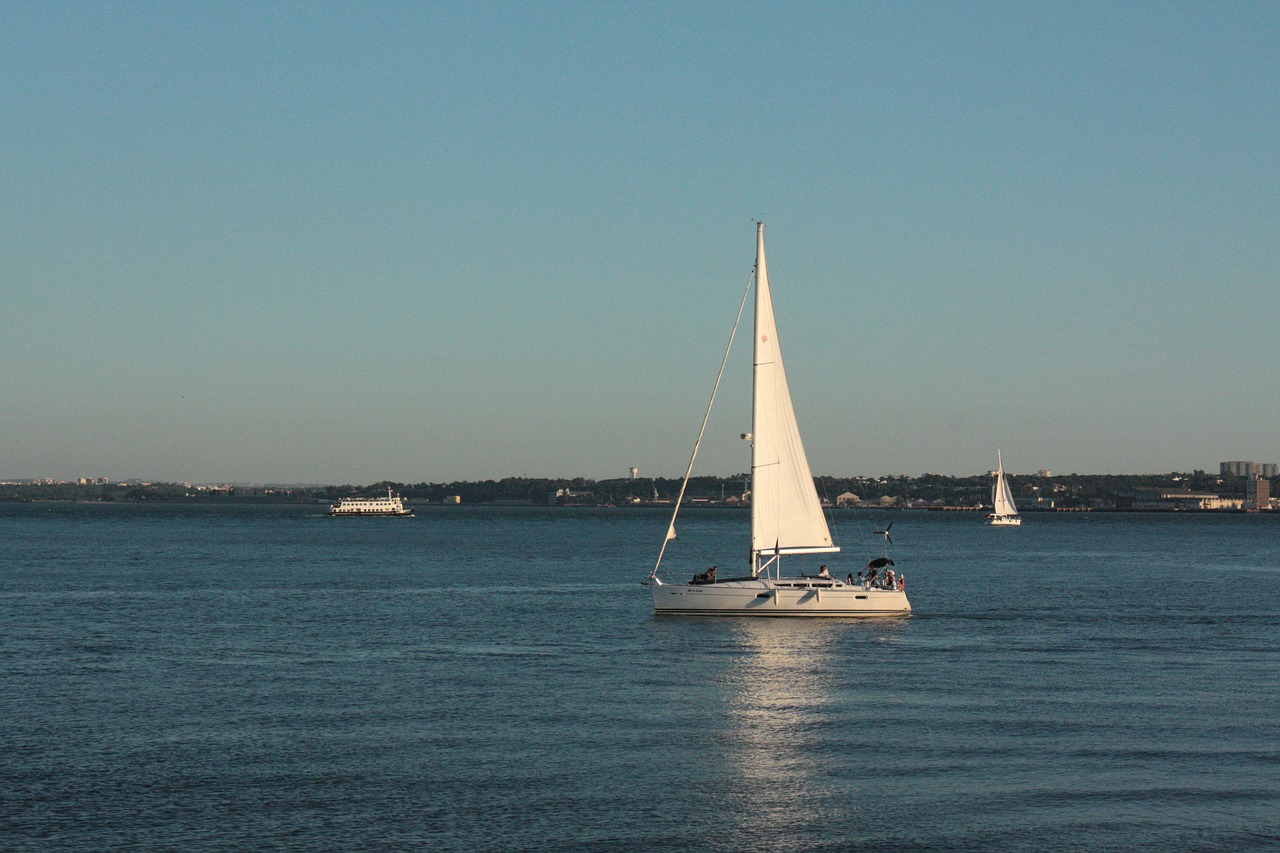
(756, 271)
(995, 487)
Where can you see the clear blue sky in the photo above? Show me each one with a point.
(298, 242)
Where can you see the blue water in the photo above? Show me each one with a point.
(213, 678)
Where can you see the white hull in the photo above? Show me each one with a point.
(781, 597)
(1005, 520)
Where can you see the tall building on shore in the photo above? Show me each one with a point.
(1249, 469)
(1257, 493)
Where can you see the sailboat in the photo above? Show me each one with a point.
(786, 516)
(1003, 511)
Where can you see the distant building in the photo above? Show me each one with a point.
(452, 499)
(1249, 469)
(847, 499)
(1257, 493)
(569, 496)
(1044, 472)
(1177, 500)
(570, 493)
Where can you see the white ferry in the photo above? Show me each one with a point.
(390, 505)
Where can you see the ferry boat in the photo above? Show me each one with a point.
(390, 505)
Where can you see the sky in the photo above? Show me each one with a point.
(342, 243)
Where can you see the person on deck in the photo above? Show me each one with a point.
(823, 572)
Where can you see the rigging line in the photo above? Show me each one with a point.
(671, 528)
(867, 529)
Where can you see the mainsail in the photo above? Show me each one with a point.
(786, 517)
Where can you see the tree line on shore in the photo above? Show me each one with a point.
(1064, 491)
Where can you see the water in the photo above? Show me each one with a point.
(217, 678)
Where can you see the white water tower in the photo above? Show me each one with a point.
(635, 472)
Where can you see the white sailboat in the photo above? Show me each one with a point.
(1003, 511)
(786, 516)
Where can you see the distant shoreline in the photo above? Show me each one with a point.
(1042, 492)
(316, 504)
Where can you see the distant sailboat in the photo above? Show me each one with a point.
(1003, 511)
(786, 516)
